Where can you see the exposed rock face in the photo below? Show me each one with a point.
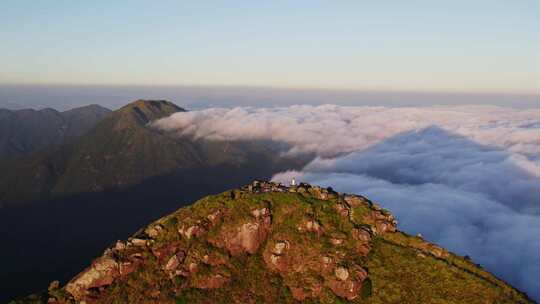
(246, 237)
(255, 242)
(102, 272)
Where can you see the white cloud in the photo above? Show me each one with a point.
(467, 178)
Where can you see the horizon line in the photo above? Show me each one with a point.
(284, 88)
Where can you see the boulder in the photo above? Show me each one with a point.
(138, 242)
(248, 238)
(102, 272)
(174, 261)
(341, 273)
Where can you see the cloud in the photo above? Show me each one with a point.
(330, 130)
(467, 178)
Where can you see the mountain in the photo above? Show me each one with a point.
(23, 132)
(72, 201)
(122, 151)
(266, 243)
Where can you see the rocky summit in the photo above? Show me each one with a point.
(268, 243)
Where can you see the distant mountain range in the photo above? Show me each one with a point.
(26, 131)
(120, 151)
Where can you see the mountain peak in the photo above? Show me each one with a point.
(145, 111)
(269, 243)
(153, 105)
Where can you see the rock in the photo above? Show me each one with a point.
(438, 251)
(174, 261)
(342, 210)
(307, 288)
(349, 290)
(138, 242)
(102, 272)
(341, 273)
(193, 267)
(360, 274)
(361, 235)
(214, 259)
(191, 231)
(280, 247)
(211, 282)
(153, 231)
(354, 201)
(247, 239)
(236, 194)
(154, 294)
(327, 264)
(363, 249)
(326, 260)
(136, 256)
(382, 226)
(257, 213)
(313, 226)
(54, 285)
(214, 216)
(274, 259)
(125, 268)
(318, 193)
(298, 293)
(120, 246)
(336, 242)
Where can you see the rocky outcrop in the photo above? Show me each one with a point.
(103, 271)
(247, 236)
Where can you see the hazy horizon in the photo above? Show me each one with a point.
(64, 97)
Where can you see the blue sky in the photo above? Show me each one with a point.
(487, 46)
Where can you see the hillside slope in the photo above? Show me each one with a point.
(266, 243)
(23, 132)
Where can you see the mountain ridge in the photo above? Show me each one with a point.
(26, 131)
(82, 166)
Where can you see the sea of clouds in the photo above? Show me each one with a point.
(466, 177)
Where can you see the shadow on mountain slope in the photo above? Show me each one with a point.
(55, 239)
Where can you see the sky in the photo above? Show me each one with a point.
(462, 45)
